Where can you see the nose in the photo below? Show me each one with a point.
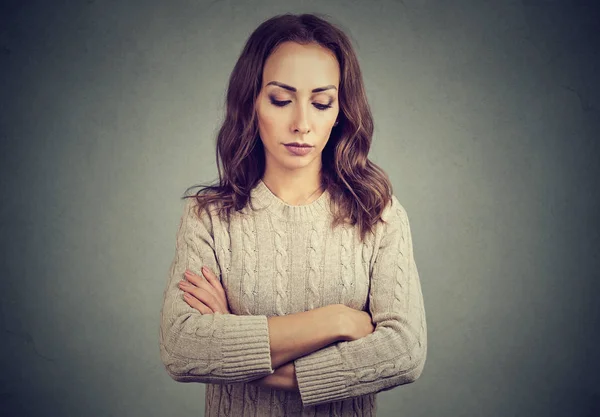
(301, 123)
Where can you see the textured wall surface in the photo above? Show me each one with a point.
(486, 119)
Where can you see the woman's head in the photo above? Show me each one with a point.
(298, 102)
(302, 51)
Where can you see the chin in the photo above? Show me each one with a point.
(297, 165)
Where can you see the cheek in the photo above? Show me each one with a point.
(325, 126)
(271, 124)
(326, 121)
(270, 121)
(328, 124)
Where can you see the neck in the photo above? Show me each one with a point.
(299, 189)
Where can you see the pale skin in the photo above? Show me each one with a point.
(206, 294)
(303, 116)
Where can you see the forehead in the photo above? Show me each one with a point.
(302, 66)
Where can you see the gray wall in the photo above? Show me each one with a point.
(486, 121)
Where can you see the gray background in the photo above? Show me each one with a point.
(486, 120)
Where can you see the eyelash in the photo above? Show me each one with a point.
(321, 107)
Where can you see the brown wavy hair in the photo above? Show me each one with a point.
(359, 189)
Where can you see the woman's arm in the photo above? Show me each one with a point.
(227, 348)
(290, 336)
(398, 344)
(284, 379)
(295, 335)
(330, 324)
(207, 348)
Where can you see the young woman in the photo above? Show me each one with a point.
(294, 289)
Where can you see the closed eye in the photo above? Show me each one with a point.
(284, 103)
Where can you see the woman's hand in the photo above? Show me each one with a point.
(205, 294)
(358, 324)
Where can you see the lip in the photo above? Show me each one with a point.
(299, 150)
(298, 144)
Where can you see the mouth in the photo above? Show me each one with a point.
(298, 145)
(298, 149)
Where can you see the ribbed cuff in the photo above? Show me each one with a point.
(322, 377)
(245, 345)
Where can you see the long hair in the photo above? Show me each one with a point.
(359, 189)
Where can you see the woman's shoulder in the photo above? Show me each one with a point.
(192, 206)
(394, 210)
(205, 215)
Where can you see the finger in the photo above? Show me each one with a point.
(215, 282)
(199, 281)
(203, 282)
(197, 304)
(212, 279)
(206, 297)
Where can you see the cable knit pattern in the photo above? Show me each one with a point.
(249, 281)
(357, 406)
(222, 249)
(279, 403)
(314, 273)
(208, 402)
(281, 259)
(280, 237)
(250, 400)
(226, 400)
(345, 273)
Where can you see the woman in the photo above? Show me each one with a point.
(310, 302)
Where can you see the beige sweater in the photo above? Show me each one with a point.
(283, 259)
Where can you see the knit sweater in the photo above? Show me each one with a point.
(280, 259)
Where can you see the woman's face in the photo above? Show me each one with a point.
(290, 111)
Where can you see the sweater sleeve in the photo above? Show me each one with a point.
(209, 348)
(394, 354)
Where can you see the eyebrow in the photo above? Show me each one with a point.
(290, 88)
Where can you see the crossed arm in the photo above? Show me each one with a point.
(290, 336)
(284, 378)
(324, 367)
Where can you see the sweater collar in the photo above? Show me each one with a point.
(315, 210)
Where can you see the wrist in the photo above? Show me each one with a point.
(341, 322)
(284, 378)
